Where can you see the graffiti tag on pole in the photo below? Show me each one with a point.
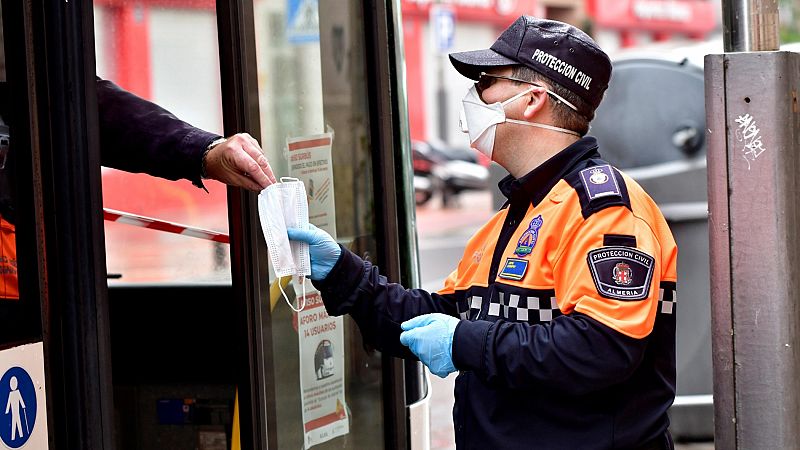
(749, 134)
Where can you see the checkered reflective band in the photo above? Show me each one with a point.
(470, 307)
(667, 298)
(533, 309)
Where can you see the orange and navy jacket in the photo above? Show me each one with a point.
(567, 297)
(9, 287)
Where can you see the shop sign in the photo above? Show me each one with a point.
(671, 16)
(674, 11)
(492, 8)
(485, 4)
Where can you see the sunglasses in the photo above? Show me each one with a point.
(486, 80)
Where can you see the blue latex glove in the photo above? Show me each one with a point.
(323, 250)
(430, 337)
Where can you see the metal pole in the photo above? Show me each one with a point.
(753, 122)
(750, 25)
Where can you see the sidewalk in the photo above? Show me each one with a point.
(471, 210)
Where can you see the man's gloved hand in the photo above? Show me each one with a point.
(430, 337)
(322, 248)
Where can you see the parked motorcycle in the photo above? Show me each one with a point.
(448, 170)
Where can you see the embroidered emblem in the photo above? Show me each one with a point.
(477, 256)
(598, 177)
(599, 181)
(528, 239)
(514, 269)
(621, 273)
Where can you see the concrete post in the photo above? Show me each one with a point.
(754, 223)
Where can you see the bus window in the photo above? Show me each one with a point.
(314, 121)
(2, 50)
(8, 246)
(17, 322)
(165, 52)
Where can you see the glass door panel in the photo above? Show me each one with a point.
(165, 52)
(315, 126)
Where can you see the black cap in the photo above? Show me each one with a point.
(557, 50)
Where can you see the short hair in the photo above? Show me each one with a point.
(565, 117)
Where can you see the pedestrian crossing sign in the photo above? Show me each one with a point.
(302, 21)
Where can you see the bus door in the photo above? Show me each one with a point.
(149, 336)
(51, 199)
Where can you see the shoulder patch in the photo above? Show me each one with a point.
(599, 187)
(621, 273)
(599, 181)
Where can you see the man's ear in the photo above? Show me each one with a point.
(537, 100)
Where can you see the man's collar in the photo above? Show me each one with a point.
(537, 183)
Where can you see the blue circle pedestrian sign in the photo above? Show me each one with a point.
(17, 407)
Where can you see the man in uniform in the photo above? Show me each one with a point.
(560, 316)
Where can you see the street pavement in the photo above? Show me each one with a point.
(442, 233)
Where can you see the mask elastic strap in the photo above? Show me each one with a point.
(546, 127)
(304, 293)
(560, 98)
(519, 95)
(286, 298)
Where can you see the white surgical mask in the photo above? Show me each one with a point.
(480, 120)
(280, 206)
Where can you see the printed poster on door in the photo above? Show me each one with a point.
(325, 414)
(310, 162)
(23, 408)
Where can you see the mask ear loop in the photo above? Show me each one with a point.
(520, 95)
(286, 298)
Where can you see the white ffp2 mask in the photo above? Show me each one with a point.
(480, 120)
(280, 206)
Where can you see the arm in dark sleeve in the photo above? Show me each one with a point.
(140, 136)
(355, 287)
(574, 353)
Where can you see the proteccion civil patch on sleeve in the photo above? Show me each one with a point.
(621, 273)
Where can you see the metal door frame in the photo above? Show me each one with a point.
(62, 263)
(402, 381)
(63, 237)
